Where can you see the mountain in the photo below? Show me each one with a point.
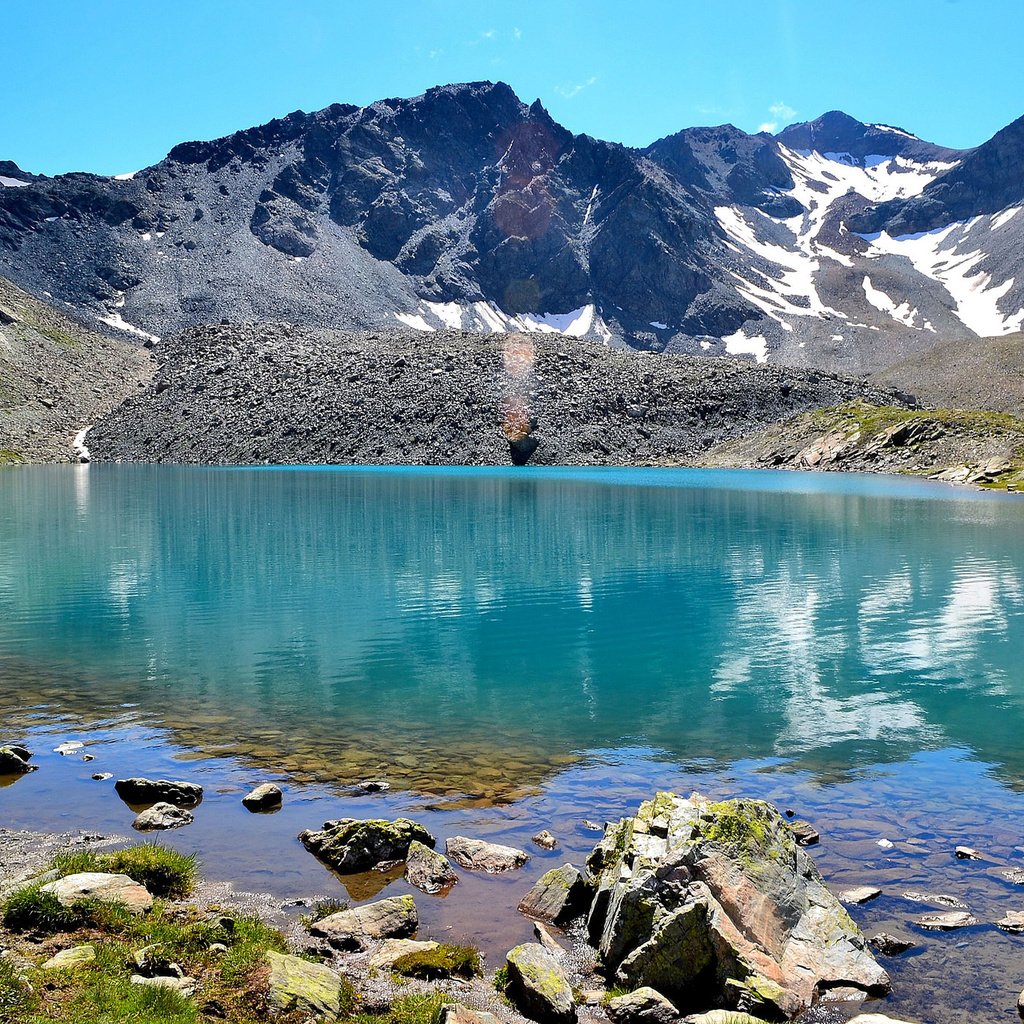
(465, 208)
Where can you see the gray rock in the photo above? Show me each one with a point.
(395, 917)
(98, 885)
(940, 898)
(456, 1013)
(690, 889)
(152, 791)
(384, 957)
(966, 853)
(890, 945)
(69, 959)
(297, 984)
(559, 895)
(806, 834)
(428, 870)
(153, 961)
(161, 817)
(70, 747)
(1012, 921)
(22, 751)
(548, 939)
(11, 763)
(101, 776)
(538, 985)
(860, 894)
(185, 987)
(545, 840)
(476, 855)
(349, 845)
(946, 922)
(642, 1006)
(266, 797)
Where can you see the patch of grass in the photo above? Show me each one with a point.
(29, 909)
(322, 909)
(9, 457)
(16, 997)
(250, 940)
(415, 1009)
(446, 961)
(163, 871)
(501, 979)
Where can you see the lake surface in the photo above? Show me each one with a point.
(518, 649)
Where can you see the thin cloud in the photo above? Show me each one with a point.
(780, 112)
(569, 91)
(516, 35)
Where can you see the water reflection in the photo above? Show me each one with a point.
(466, 632)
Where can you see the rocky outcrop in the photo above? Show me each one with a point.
(395, 917)
(559, 895)
(428, 870)
(477, 855)
(311, 989)
(161, 817)
(137, 792)
(267, 797)
(106, 888)
(349, 845)
(538, 985)
(714, 904)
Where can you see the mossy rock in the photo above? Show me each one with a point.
(443, 961)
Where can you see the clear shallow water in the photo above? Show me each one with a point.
(514, 650)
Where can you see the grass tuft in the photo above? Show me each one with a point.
(163, 871)
(414, 1009)
(29, 909)
(322, 909)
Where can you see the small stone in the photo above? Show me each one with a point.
(88, 757)
(1012, 921)
(591, 826)
(297, 984)
(102, 776)
(940, 898)
(1014, 875)
(71, 747)
(68, 959)
(183, 986)
(477, 855)
(545, 840)
(806, 834)
(217, 947)
(885, 844)
(428, 870)
(890, 945)
(860, 894)
(643, 1006)
(967, 853)
(538, 985)
(267, 797)
(1020, 1004)
(372, 786)
(946, 922)
(395, 917)
(100, 886)
(160, 817)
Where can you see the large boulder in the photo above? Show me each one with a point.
(538, 985)
(349, 845)
(428, 870)
(138, 792)
(642, 1006)
(478, 855)
(393, 918)
(297, 984)
(97, 885)
(715, 905)
(559, 895)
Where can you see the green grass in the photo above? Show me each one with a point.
(416, 1009)
(322, 909)
(16, 998)
(446, 961)
(501, 979)
(9, 457)
(164, 872)
(29, 909)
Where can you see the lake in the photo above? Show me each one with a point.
(519, 649)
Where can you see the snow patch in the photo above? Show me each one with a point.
(999, 219)
(78, 445)
(114, 319)
(13, 182)
(660, 326)
(125, 177)
(885, 304)
(417, 323)
(487, 318)
(894, 131)
(739, 344)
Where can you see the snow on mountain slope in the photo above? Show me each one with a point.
(487, 318)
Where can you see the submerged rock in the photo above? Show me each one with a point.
(349, 845)
(946, 922)
(715, 904)
(297, 984)
(1012, 921)
(161, 817)
(428, 870)
(860, 894)
(477, 855)
(267, 797)
(13, 762)
(538, 985)
(153, 791)
(395, 917)
(97, 885)
(559, 895)
(890, 945)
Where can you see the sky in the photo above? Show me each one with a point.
(110, 87)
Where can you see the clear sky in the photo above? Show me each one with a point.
(110, 86)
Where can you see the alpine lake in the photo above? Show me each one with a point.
(513, 650)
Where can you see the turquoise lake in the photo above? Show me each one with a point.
(519, 649)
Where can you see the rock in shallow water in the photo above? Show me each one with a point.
(890, 945)
(428, 870)
(395, 917)
(12, 762)
(694, 897)
(559, 895)
(349, 845)
(477, 855)
(267, 797)
(152, 791)
(161, 817)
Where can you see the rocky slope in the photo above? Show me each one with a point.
(284, 394)
(465, 208)
(57, 377)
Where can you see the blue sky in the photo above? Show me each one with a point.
(110, 86)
